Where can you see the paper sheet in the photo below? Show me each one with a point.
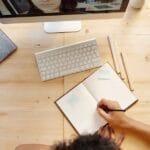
(80, 108)
(105, 83)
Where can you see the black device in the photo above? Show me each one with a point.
(7, 47)
(28, 8)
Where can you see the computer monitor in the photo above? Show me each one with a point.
(60, 11)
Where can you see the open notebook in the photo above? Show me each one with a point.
(79, 104)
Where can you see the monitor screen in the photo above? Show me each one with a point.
(25, 8)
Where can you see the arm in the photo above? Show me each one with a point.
(121, 121)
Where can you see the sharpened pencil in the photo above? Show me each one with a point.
(114, 55)
(126, 71)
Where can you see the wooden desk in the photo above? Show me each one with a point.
(27, 110)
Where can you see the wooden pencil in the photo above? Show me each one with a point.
(126, 71)
(112, 48)
(120, 64)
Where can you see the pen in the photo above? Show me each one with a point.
(106, 109)
(116, 110)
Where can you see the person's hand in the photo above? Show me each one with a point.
(116, 119)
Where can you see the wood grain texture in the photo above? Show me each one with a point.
(27, 110)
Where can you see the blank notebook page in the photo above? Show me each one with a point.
(80, 108)
(105, 83)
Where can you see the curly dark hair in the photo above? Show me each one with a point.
(87, 142)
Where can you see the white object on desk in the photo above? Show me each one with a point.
(69, 59)
(137, 3)
(62, 26)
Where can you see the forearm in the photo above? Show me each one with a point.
(120, 121)
(137, 128)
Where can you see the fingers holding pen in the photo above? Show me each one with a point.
(111, 112)
(108, 103)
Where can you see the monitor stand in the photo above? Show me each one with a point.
(62, 26)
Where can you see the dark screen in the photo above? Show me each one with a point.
(14, 8)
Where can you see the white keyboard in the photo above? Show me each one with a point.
(69, 59)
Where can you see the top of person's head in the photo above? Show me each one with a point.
(87, 142)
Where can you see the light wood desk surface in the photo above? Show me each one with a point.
(27, 110)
